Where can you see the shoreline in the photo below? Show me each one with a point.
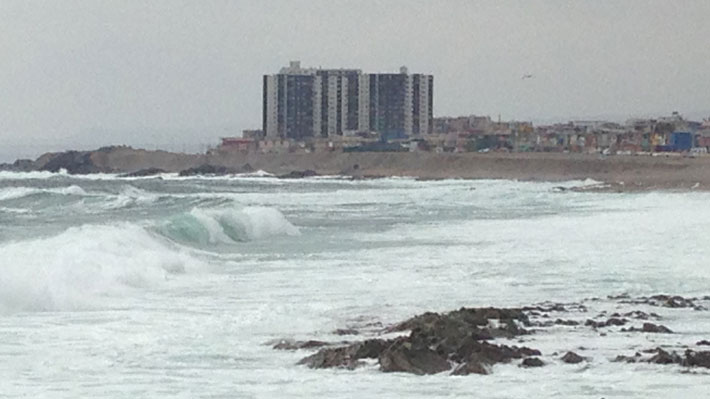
(619, 173)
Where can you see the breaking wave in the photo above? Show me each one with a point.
(7, 175)
(84, 265)
(224, 226)
(130, 196)
(20, 192)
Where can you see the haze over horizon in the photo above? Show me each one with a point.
(180, 74)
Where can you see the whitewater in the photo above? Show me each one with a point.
(174, 287)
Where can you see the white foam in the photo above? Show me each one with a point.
(228, 225)
(262, 222)
(83, 265)
(209, 222)
(20, 192)
(16, 192)
(129, 196)
(7, 175)
(258, 173)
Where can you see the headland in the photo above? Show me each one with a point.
(617, 172)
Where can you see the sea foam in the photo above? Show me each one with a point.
(83, 265)
(224, 226)
(20, 192)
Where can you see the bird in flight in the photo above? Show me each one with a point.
(527, 76)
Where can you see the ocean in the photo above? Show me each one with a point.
(177, 287)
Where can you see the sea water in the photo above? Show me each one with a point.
(174, 287)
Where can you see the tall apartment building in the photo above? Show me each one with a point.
(301, 103)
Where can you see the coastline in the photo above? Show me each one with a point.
(619, 172)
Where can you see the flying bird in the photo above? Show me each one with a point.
(527, 76)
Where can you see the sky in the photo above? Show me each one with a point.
(180, 74)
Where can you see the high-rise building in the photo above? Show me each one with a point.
(301, 103)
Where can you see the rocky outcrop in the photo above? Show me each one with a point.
(650, 328)
(667, 301)
(572, 358)
(346, 356)
(473, 321)
(21, 165)
(74, 162)
(346, 331)
(416, 358)
(208, 170)
(299, 174)
(532, 362)
(610, 322)
(437, 343)
(474, 340)
(659, 356)
(144, 172)
(287, 344)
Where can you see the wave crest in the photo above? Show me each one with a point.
(225, 226)
(83, 265)
(21, 192)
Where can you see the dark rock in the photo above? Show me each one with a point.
(616, 322)
(546, 307)
(346, 356)
(372, 348)
(404, 357)
(592, 323)
(346, 331)
(465, 318)
(690, 359)
(640, 315)
(673, 301)
(649, 328)
(572, 358)
(471, 368)
(697, 359)
(144, 172)
(525, 351)
(435, 341)
(299, 174)
(74, 162)
(620, 296)
(532, 362)
(294, 345)
(332, 357)
(20, 165)
(703, 342)
(611, 322)
(663, 357)
(668, 301)
(653, 328)
(207, 169)
(488, 353)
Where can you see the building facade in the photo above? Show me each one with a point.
(306, 103)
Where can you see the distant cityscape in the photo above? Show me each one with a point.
(302, 103)
(314, 109)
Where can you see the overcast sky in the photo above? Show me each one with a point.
(180, 74)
